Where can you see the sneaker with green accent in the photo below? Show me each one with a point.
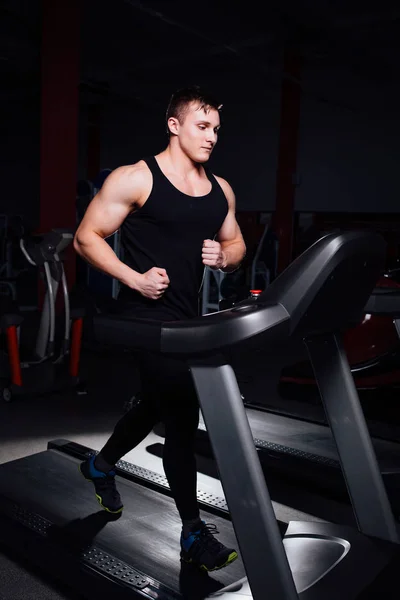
(202, 549)
(104, 485)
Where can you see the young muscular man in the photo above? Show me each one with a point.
(174, 217)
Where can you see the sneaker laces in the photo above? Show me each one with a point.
(108, 483)
(207, 539)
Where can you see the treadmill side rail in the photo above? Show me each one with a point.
(360, 467)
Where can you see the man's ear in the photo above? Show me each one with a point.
(173, 125)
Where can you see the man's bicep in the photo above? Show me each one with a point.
(108, 209)
(230, 230)
(105, 216)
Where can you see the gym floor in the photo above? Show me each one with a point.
(27, 423)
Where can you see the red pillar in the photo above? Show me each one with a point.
(287, 157)
(13, 353)
(59, 117)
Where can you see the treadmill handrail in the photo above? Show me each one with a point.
(305, 300)
(209, 334)
(215, 333)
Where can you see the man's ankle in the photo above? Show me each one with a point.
(102, 465)
(190, 525)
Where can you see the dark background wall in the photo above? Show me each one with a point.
(349, 152)
(133, 56)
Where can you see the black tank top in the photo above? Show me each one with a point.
(168, 231)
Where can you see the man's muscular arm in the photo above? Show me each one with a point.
(118, 197)
(228, 250)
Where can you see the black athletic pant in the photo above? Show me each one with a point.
(167, 395)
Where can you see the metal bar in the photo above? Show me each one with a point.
(67, 310)
(243, 482)
(46, 333)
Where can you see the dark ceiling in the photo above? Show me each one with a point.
(139, 49)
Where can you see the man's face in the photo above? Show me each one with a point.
(198, 133)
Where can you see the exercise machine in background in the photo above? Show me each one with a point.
(50, 366)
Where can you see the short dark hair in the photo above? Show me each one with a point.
(182, 98)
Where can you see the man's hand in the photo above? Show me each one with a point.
(213, 255)
(153, 283)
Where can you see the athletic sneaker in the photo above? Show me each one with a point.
(203, 550)
(104, 484)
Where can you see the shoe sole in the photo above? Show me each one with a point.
(231, 558)
(99, 498)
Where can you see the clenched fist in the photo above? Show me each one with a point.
(153, 283)
(213, 255)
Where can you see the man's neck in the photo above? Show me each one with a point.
(178, 163)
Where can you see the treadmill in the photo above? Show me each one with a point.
(103, 556)
(295, 440)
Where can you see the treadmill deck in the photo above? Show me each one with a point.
(145, 536)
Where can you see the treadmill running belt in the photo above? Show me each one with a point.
(146, 536)
(309, 437)
(306, 452)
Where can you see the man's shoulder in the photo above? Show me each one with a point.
(220, 179)
(138, 169)
(225, 185)
(135, 176)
